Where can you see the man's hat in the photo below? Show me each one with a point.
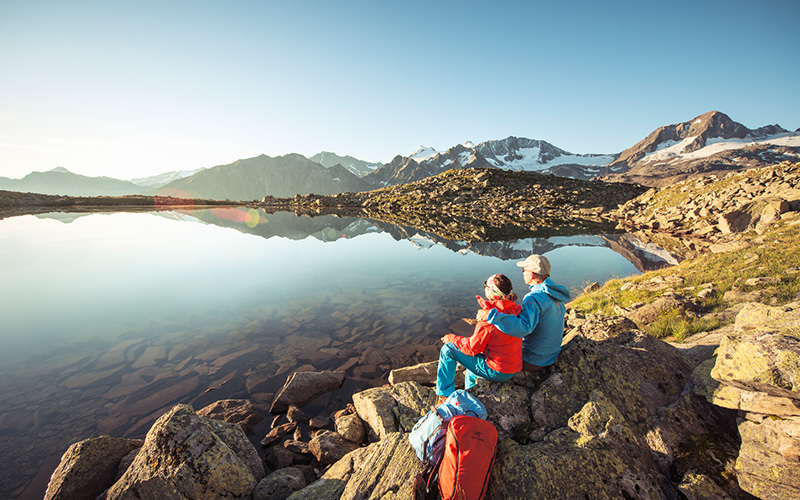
(537, 264)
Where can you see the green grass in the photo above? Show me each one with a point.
(775, 254)
(677, 326)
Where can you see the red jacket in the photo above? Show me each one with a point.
(502, 352)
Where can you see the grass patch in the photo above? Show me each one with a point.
(774, 255)
(678, 326)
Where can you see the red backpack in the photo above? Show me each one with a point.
(469, 452)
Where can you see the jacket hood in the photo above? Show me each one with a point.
(503, 306)
(557, 292)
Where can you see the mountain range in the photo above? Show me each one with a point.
(708, 143)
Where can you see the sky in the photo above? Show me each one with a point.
(130, 89)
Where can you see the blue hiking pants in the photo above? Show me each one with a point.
(449, 358)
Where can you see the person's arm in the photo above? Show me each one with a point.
(516, 326)
(474, 344)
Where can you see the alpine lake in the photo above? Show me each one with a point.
(109, 319)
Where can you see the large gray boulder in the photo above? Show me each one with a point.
(187, 456)
(393, 409)
(88, 468)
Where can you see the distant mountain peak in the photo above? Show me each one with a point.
(423, 153)
(61, 170)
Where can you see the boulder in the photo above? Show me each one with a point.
(279, 458)
(303, 387)
(277, 433)
(762, 354)
(756, 215)
(330, 447)
(596, 440)
(649, 313)
(88, 468)
(391, 409)
(351, 427)
(768, 460)
(280, 484)
(295, 414)
(758, 373)
(188, 456)
(385, 469)
(235, 411)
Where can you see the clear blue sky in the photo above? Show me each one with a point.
(136, 88)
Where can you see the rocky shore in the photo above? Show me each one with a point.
(622, 415)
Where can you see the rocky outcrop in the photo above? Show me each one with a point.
(482, 204)
(188, 456)
(711, 214)
(756, 215)
(618, 400)
(757, 370)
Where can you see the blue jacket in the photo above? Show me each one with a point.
(541, 322)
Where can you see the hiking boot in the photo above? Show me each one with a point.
(439, 400)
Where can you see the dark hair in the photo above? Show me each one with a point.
(503, 284)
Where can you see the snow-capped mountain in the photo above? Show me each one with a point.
(710, 142)
(519, 153)
(423, 153)
(357, 167)
(512, 153)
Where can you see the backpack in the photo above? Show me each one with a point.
(427, 436)
(469, 453)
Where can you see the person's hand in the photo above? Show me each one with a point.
(483, 303)
(482, 315)
(448, 338)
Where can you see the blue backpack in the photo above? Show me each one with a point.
(428, 435)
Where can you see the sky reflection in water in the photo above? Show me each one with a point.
(99, 274)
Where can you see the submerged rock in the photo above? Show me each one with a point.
(235, 411)
(303, 387)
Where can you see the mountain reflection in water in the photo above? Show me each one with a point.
(110, 319)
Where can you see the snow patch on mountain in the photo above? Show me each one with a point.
(423, 153)
(530, 161)
(673, 150)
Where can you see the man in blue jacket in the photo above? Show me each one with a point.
(541, 322)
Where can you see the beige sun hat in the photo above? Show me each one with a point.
(537, 264)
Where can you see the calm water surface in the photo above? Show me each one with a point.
(106, 320)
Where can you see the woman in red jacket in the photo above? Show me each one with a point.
(488, 353)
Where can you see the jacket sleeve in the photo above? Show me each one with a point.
(477, 342)
(517, 326)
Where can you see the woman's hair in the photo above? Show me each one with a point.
(504, 285)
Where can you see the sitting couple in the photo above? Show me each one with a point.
(508, 337)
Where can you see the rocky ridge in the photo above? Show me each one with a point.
(710, 214)
(479, 204)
